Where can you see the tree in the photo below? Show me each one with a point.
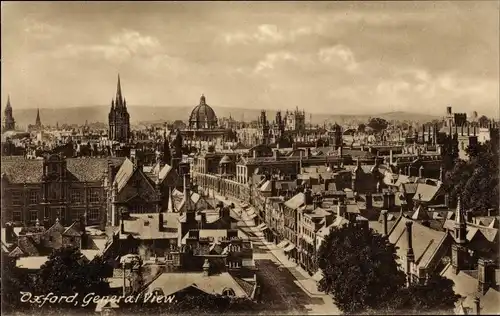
(67, 272)
(436, 295)
(356, 261)
(377, 124)
(14, 281)
(483, 120)
(361, 273)
(476, 180)
(361, 128)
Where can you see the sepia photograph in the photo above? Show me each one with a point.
(250, 158)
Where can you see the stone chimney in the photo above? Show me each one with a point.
(421, 172)
(485, 275)
(276, 155)
(9, 233)
(203, 222)
(469, 216)
(369, 201)
(384, 222)
(308, 196)
(341, 209)
(206, 268)
(477, 303)
(410, 256)
(390, 157)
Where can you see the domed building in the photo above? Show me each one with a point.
(202, 116)
(203, 129)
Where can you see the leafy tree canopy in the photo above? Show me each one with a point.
(355, 262)
(361, 274)
(378, 124)
(476, 180)
(67, 271)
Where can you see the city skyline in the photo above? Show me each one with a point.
(326, 57)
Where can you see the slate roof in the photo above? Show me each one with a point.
(145, 226)
(124, 174)
(171, 283)
(491, 234)
(296, 201)
(426, 241)
(22, 170)
(426, 192)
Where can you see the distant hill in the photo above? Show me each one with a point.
(78, 115)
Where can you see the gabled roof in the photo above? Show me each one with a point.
(426, 241)
(124, 174)
(420, 214)
(296, 201)
(73, 230)
(426, 192)
(266, 187)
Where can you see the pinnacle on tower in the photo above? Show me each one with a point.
(8, 101)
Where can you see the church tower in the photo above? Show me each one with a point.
(119, 119)
(9, 123)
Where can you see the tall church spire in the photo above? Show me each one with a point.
(9, 123)
(119, 89)
(38, 122)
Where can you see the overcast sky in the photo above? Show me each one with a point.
(335, 57)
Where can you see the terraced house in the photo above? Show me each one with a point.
(55, 188)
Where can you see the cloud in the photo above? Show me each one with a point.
(270, 34)
(120, 48)
(339, 56)
(134, 41)
(272, 59)
(41, 30)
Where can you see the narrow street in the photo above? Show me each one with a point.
(281, 287)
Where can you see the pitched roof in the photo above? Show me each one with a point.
(420, 214)
(145, 226)
(171, 283)
(296, 201)
(22, 170)
(266, 187)
(90, 169)
(124, 174)
(426, 192)
(426, 241)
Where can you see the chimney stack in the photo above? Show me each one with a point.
(469, 216)
(369, 201)
(384, 222)
(421, 172)
(390, 157)
(477, 302)
(341, 209)
(486, 274)
(9, 233)
(410, 256)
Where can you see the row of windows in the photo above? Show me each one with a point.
(76, 196)
(92, 214)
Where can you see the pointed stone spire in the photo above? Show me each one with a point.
(112, 103)
(118, 92)
(460, 224)
(8, 102)
(38, 122)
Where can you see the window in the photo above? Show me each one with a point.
(33, 197)
(16, 197)
(170, 257)
(76, 196)
(94, 195)
(16, 216)
(93, 214)
(33, 215)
